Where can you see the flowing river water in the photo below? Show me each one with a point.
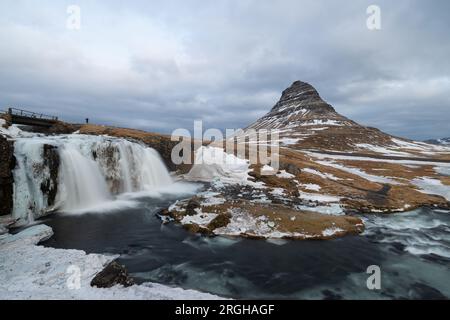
(412, 250)
(109, 190)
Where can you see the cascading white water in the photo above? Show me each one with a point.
(82, 184)
(92, 169)
(142, 168)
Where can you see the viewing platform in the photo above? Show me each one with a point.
(29, 118)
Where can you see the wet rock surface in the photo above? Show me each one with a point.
(7, 164)
(113, 274)
(52, 161)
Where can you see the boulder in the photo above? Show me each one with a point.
(113, 274)
(191, 206)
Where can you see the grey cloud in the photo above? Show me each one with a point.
(160, 65)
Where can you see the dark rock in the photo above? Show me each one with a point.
(163, 212)
(52, 161)
(220, 221)
(290, 168)
(112, 275)
(298, 97)
(191, 206)
(195, 228)
(7, 164)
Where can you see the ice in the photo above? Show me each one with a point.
(432, 186)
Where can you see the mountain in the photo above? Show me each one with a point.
(330, 169)
(442, 141)
(306, 121)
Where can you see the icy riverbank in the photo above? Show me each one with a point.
(30, 271)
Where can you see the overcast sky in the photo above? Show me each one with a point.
(160, 65)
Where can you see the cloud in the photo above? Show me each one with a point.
(160, 65)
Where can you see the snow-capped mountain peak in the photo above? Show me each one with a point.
(300, 105)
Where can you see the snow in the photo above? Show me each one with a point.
(334, 209)
(327, 122)
(419, 146)
(289, 141)
(268, 170)
(442, 170)
(211, 199)
(243, 223)
(277, 192)
(382, 150)
(213, 164)
(310, 186)
(321, 156)
(201, 218)
(285, 175)
(323, 175)
(331, 231)
(15, 132)
(432, 186)
(359, 172)
(318, 197)
(29, 271)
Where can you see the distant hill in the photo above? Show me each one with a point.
(442, 142)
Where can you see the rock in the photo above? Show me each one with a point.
(163, 212)
(113, 274)
(290, 168)
(191, 206)
(195, 228)
(7, 164)
(222, 220)
(52, 161)
(161, 143)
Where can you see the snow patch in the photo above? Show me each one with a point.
(432, 186)
(328, 232)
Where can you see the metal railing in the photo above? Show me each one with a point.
(30, 114)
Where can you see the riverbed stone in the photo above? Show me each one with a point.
(113, 274)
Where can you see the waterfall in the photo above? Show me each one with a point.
(89, 171)
(82, 184)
